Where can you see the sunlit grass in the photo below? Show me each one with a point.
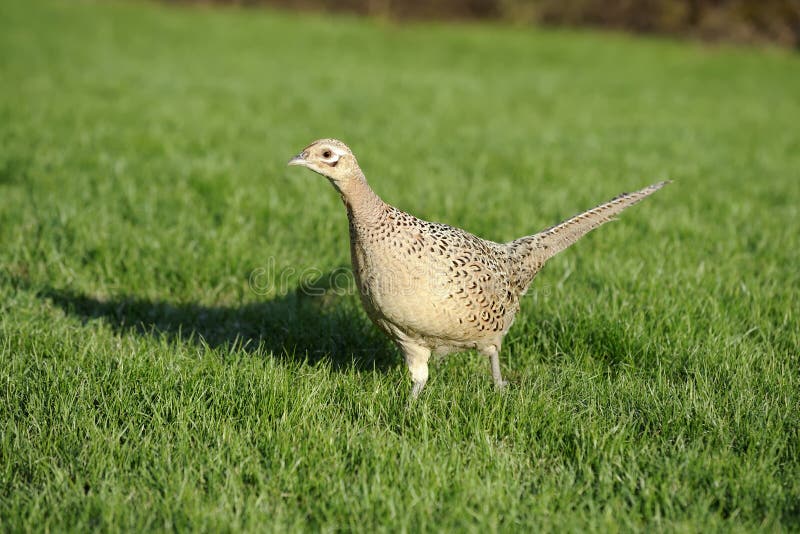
(148, 385)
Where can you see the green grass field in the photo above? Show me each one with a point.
(161, 369)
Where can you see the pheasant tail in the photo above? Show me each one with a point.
(531, 252)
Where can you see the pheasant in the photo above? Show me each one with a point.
(433, 288)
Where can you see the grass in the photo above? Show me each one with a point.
(161, 369)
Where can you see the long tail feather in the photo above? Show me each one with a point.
(533, 251)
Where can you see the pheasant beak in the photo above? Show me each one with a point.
(298, 160)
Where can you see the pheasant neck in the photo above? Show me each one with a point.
(361, 201)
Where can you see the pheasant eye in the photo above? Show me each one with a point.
(326, 154)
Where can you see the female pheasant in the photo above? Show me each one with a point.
(433, 288)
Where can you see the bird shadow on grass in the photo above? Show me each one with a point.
(319, 323)
(311, 324)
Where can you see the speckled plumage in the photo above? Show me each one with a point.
(433, 288)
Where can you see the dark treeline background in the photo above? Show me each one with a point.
(741, 21)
